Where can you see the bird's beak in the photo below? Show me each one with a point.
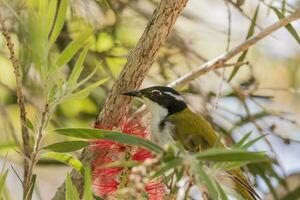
(133, 94)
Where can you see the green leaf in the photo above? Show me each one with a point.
(87, 192)
(2, 181)
(65, 158)
(72, 49)
(202, 177)
(289, 27)
(242, 141)
(231, 155)
(222, 194)
(232, 165)
(86, 91)
(59, 22)
(51, 15)
(259, 170)
(78, 67)
(122, 163)
(266, 171)
(71, 191)
(68, 146)
(85, 133)
(7, 146)
(30, 125)
(249, 34)
(98, 198)
(250, 143)
(169, 165)
(32, 185)
(89, 76)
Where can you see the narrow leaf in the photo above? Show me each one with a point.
(59, 22)
(51, 15)
(65, 158)
(249, 34)
(89, 76)
(230, 155)
(71, 191)
(289, 27)
(202, 177)
(30, 125)
(87, 192)
(78, 67)
(7, 146)
(2, 181)
(129, 163)
(250, 143)
(86, 91)
(242, 141)
(169, 165)
(68, 146)
(30, 192)
(72, 49)
(222, 194)
(85, 133)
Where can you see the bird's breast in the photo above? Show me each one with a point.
(161, 132)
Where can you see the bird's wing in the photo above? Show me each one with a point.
(193, 131)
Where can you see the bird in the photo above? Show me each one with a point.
(172, 121)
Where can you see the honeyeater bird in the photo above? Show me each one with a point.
(172, 120)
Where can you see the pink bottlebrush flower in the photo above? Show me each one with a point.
(105, 187)
(155, 190)
(141, 155)
(134, 128)
(105, 180)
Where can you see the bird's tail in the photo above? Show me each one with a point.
(242, 185)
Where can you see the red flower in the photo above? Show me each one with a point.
(106, 187)
(155, 191)
(105, 180)
(141, 155)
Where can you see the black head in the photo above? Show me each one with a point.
(164, 96)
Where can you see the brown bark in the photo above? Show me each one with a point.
(140, 60)
(21, 100)
(133, 73)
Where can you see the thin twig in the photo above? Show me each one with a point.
(34, 158)
(219, 61)
(142, 110)
(242, 12)
(17, 174)
(21, 99)
(227, 49)
(4, 164)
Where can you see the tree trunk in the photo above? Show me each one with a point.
(133, 73)
(140, 61)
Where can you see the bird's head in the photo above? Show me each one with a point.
(162, 97)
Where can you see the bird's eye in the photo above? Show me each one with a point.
(156, 93)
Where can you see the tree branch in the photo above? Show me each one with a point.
(140, 60)
(20, 96)
(133, 73)
(219, 61)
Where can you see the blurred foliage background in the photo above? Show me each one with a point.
(263, 98)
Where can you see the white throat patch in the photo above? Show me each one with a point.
(158, 114)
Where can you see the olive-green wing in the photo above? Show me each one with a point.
(193, 131)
